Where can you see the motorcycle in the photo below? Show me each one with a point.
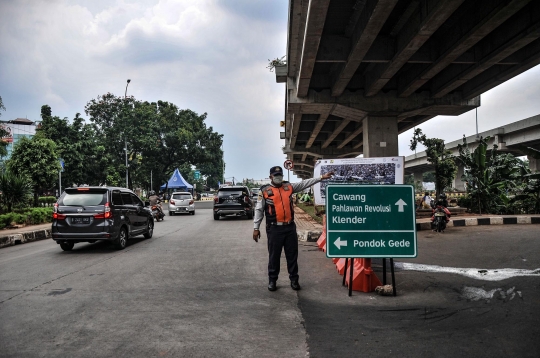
(440, 216)
(157, 214)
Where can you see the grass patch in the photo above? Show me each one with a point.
(310, 210)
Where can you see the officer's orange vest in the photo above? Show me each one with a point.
(279, 203)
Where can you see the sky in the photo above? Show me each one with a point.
(204, 55)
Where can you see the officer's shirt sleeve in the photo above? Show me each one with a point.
(259, 211)
(297, 187)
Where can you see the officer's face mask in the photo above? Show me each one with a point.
(278, 179)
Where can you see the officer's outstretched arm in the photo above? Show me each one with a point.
(298, 187)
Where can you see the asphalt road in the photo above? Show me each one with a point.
(198, 289)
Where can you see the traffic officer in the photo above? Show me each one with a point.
(275, 202)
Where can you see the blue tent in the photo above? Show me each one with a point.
(177, 182)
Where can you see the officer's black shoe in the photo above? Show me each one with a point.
(272, 286)
(295, 285)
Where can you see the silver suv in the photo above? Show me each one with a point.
(181, 202)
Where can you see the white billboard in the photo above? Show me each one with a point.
(384, 170)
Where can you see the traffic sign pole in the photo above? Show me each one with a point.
(288, 164)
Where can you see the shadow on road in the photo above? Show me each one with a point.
(99, 247)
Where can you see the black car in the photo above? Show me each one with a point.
(89, 214)
(233, 200)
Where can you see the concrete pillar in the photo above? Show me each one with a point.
(380, 137)
(418, 177)
(458, 183)
(534, 164)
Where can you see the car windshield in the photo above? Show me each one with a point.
(224, 193)
(181, 196)
(84, 199)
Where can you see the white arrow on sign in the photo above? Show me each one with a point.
(340, 243)
(400, 204)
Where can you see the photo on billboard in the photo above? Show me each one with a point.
(384, 171)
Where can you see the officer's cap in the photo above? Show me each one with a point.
(276, 170)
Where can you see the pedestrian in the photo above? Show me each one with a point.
(276, 203)
(426, 201)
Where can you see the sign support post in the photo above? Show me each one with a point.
(367, 221)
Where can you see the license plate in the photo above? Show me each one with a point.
(440, 214)
(230, 201)
(80, 220)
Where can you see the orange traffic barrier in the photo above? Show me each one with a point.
(364, 279)
(321, 243)
(340, 265)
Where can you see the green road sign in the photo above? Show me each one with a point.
(197, 175)
(370, 221)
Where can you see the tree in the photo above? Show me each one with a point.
(429, 177)
(79, 146)
(16, 190)
(3, 133)
(160, 137)
(440, 157)
(491, 177)
(36, 159)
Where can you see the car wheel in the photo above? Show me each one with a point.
(121, 241)
(216, 217)
(149, 229)
(170, 213)
(193, 212)
(67, 246)
(250, 215)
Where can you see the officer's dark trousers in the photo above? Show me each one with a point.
(282, 237)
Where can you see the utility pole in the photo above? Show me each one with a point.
(223, 160)
(477, 123)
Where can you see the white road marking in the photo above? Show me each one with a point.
(480, 274)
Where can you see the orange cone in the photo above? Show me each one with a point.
(364, 279)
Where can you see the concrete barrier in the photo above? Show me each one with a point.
(24, 237)
(497, 220)
(308, 235)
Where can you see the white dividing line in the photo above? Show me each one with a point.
(370, 231)
(479, 274)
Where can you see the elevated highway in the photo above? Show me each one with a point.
(508, 138)
(360, 72)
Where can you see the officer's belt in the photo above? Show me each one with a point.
(283, 223)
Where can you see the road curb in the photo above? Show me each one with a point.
(24, 237)
(508, 220)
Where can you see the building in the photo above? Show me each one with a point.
(17, 129)
(259, 182)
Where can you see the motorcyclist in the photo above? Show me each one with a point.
(155, 200)
(443, 204)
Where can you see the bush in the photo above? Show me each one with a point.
(46, 200)
(465, 202)
(39, 216)
(33, 216)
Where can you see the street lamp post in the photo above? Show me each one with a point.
(127, 84)
(125, 140)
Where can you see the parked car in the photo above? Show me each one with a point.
(233, 200)
(89, 214)
(181, 202)
(254, 195)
